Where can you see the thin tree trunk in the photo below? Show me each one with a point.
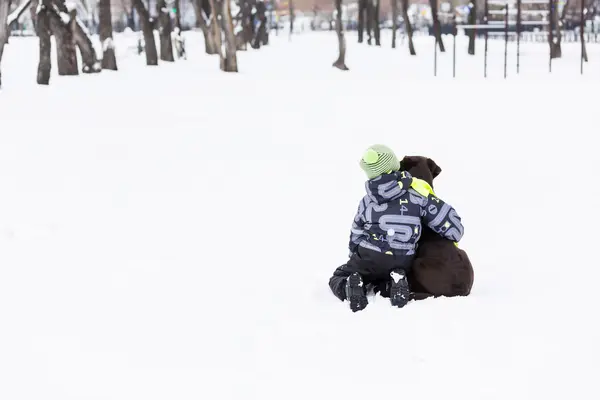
(376, 29)
(66, 51)
(4, 6)
(408, 28)
(437, 27)
(216, 33)
(362, 10)
(247, 24)
(340, 63)
(15, 15)
(80, 35)
(109, 61)
(292, 16)
(555, 37)
(165, 27)
(230, 47)
(43, 28)
(261, 36)
(394, 21)
(178, 14)
(472, 21)
(149, 42)
(369, 19)
(84, 43)
(207, 31)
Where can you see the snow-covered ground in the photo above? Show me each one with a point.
(168, 232)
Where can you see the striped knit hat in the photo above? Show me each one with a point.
(378, 160)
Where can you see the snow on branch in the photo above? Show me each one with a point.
(13, 16)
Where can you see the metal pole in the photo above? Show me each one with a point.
(454, 47)
(550, 31)
(505, 37)
(582, 27)
(435, 55)
(518, 35)
(485, 19)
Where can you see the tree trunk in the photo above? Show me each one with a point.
(45, 62)
(261, 36)
(209, 39)
(178, 14)
(369, 19)
(376, 30)
(86, 48)
(292, 17)
(60, 27)
(362, 10)
(165, 28)
(109, 61)
(472, 21)
(230, 47)
(408, 28)
(247, 24)
(555, 37)
(149, 43)
(340, 63)
(437, 27)
(394, 21)
(216, 33)
(4, 6)
(81, 37)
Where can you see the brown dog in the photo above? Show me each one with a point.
(440, 268)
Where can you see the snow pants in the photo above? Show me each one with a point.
(374, 268)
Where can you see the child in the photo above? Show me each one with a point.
(387, 229)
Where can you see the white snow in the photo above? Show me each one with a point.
(120, 277)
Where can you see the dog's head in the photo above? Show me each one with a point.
(421, 167)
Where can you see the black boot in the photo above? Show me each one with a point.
(356, 293)
(399, 289)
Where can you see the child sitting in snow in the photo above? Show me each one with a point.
(387, 229)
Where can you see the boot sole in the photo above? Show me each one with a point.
(356, 293)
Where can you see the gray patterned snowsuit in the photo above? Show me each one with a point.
(387, 228)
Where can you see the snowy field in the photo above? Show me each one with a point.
(169, 232)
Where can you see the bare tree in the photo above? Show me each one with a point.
(408, 28)
(437, 27)
(216, 32)
(340, 63)
(80, 36)
(394, 21)
(149, 42)
(261, 36)
(230, 46)
(109, 61)
(292, 16)
(362, 11)
(61, 29)
(43, 29)
(369, 19)
(555, 36)
(472, 20)
(84, 43)
(4, 6)
(376, 29)
(165, 28)
(178, 14)
(16, 14)
(202, 8)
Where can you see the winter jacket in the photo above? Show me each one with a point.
(389, 218)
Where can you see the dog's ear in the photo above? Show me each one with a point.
(433, 167)
(408, 162)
